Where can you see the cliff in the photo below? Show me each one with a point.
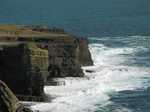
(8, 101)
(23, 66)
(32, 55)
(63, 58)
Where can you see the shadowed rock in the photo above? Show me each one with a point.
(24, 67)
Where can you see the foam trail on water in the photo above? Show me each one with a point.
(110, 74)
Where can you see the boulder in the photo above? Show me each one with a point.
(9, 102)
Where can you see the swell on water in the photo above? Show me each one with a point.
(111, 73)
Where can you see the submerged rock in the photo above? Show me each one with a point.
(89, 71)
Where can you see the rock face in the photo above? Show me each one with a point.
(63, 60)
(29, 56)
(84, 55)
(24, 68)
(67, 56)
(9, 102)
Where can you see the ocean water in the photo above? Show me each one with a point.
(119, 36)
(87, 18)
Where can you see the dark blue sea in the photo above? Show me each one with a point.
(119, 36)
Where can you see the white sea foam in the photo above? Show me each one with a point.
(109, 74)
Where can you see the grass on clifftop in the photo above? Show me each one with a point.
(18, 29)
(9, 28)
(13, 32)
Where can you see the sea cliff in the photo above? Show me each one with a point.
(31, 56)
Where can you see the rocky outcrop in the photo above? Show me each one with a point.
(9, 102)
(84, 55)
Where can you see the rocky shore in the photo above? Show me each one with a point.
(31, 56)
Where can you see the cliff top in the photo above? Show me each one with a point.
(15, 32)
